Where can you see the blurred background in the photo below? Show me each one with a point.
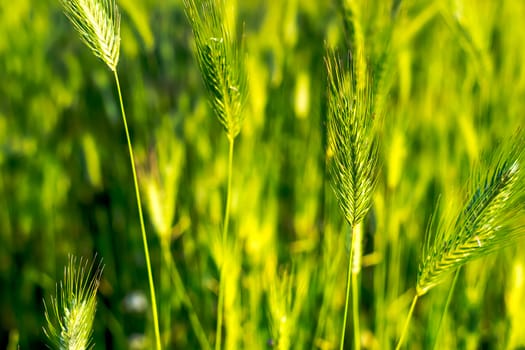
(450, 85)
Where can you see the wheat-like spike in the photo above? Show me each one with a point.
(351, 141)
(70, 318)
(220, 61)
(98, 23)
(492, 218)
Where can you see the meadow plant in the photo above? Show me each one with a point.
(98, 23)
(220, 59)
(445, 79)
(490, 219)
(71, 312)
(160, 180)
(354, 157)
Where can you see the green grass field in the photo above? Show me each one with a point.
(264, 263)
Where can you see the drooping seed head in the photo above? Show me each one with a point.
(492, 218)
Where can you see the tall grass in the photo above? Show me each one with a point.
(250, 245)
(219, 55)
(351, 141)
(491, 219)
(98, 23)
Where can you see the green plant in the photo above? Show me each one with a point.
(490, 220)
(98, 23)
(71, 312)
(448, 82)
(161, 179)
(354, 151)
(219, 56)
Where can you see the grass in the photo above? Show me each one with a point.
(490, 220)
(98, 23)
(354, 164)
(71, 313)
(221, 64)
(301, 164)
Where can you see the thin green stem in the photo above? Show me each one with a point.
(229, 191)
(180, 289)
(445, 309)
(224, 239)
(141, 217)
(347, 298)
(357, 249)
(355, 310)
(407, 322)
(166, 293)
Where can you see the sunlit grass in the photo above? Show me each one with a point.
(262, 263)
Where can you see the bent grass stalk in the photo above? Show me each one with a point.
(490, 220)
(351, 141)
(98, 23)
(221, 65)
(445, 308)
(224, 242)
(141, 218)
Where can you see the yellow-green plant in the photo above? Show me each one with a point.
(491, 219)
(98, 23)
(354, 157)
(161, 178)
(219, 56)
(71, 313)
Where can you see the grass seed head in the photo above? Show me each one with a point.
(72, 310)
(351, 140)
(220, 60)
(493, 217)
(98, 23)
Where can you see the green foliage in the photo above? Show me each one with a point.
(448, 85)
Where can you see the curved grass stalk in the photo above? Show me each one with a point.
(445, 308)
(98, 23)
(141, 218)
(407, 322)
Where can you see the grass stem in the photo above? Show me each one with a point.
(347, 298)
(224, 239)
(407, 322)
(445, 308)
(182, 293)
(355, 310)
(357, 249)
(141, 217)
